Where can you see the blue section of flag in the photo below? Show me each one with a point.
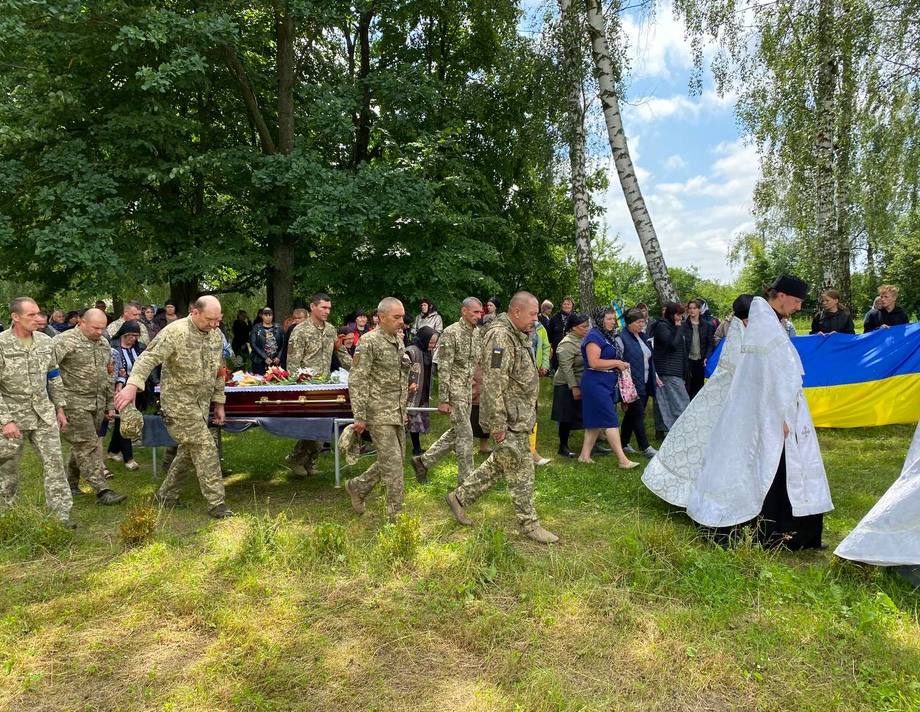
(845, 359)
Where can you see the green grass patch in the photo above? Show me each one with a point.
(300, 604)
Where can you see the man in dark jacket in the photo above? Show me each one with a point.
(888, 314)
(700, 336)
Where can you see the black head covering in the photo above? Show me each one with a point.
(575, 320)
(742, 305)
(423, 340)
(599, 315)
(791, 285)
(129, 327)
(432, 309)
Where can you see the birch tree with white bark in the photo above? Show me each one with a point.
(626, 171)
(571, 38)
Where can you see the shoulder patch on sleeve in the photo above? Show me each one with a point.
(497, 354)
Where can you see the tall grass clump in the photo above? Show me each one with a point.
(261, 541)
(328, 543)
(397, 542)
(28, 531)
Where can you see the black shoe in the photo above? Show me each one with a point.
(106, 497)
(69, 523)
(76, 491)
(565, 452)
(601, 450)
(659, 435)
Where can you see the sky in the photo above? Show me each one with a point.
(695, 170)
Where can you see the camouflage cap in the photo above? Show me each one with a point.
(8, 447)
(350, 445)
(132, 422)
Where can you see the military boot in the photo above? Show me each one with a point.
(75, 490)
(541, 535)
(297, 469)
(457, 509)
(107, 496)
(220, 512)
(357, 502)
(421, 472)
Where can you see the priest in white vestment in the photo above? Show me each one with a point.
(673, 472)
(763, 461)
(889, 535)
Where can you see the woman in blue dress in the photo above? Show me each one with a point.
(599, 393)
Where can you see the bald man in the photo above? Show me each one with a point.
(190, 351)
(379, 390)
(508, 410)
(85, 361)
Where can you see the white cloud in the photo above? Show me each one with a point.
(656, 45)
(697, 219)
(675, 163)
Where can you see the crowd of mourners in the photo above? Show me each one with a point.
(604, 366)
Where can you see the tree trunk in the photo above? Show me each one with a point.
(610, 101)
(825, 220)
(183, 292)
(363, 117)
(282, 280)
(842, 239)
(571, 54)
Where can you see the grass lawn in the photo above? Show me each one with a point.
(298, 604)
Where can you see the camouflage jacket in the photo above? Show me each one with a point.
(458, 353)
(86, 370)
(311, 347)
(379, 379)
(192, 374)
(30, 381)
(510, 384)
(113, 328)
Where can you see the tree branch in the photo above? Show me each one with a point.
(250, 99)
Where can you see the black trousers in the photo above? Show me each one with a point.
(697, 377)
(778, 527)
(634, 422)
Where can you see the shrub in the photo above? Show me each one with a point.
(138, 526)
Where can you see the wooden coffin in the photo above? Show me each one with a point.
(322, 400)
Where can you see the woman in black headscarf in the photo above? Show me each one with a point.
(420, 352)
(603, 357)
(126, 349)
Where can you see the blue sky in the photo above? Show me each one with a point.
(696, 171)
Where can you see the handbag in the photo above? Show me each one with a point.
(628, 392)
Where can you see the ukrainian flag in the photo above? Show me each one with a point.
(858, 381)
(869, 379)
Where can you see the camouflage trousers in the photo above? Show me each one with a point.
(46, 440)
(85, 459)
(458, 438)
(512, 461)
(197, 449)
(305, 453)
(390, 441)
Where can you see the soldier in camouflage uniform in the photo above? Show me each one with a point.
(311, 346)
(508, 410)
(379, 389)
(131, 312)
(85, 361)
(32, 408)
(190, 351)
(458, 354)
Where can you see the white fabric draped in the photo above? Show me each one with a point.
(747, 440)
(889, 535)
(673, 472)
